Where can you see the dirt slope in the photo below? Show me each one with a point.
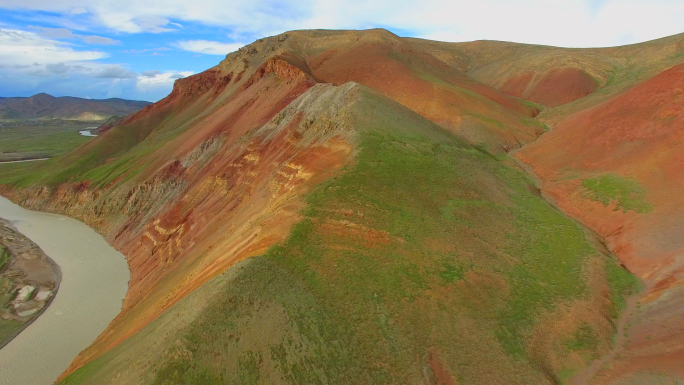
(617, 167)
(553, 76)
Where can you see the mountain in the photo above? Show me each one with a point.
(44, 106)
(356, 207)
(616, 167)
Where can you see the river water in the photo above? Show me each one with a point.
(88, 132)
(94, 283)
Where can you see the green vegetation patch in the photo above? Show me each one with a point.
(4, 256)
(8, 328)
(622, 284)
(584, 339)
(625, 193)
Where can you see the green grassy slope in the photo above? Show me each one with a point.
(425, 259)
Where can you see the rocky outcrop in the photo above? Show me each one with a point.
(211, 80)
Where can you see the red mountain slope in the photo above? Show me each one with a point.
(627, 153)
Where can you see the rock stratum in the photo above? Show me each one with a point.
(352, 206)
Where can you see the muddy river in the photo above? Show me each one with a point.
(94, 283)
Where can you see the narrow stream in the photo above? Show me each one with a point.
(94, 282)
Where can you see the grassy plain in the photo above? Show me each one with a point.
(31, 140)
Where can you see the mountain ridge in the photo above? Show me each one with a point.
(373, 165)
(45, 106)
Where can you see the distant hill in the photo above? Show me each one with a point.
(44, 106)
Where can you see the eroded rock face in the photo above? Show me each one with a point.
(197, 85)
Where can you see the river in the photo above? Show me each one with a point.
(94, 283)
(88, 132)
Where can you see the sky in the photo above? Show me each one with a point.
(135, 49)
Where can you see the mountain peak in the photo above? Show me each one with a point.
(42, 95)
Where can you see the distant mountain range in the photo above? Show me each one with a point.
(44, 106)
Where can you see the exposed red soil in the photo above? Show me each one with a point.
(430, 88)
(553, 88)
(281, 68)
(518, 84)
(442, 375)
(636, 135)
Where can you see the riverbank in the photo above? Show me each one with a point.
(29, 281)
(23, 160)
(93, 284)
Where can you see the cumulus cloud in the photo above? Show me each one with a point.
(32, 63)
(54, 33)
(155, 79)
(80, 69)
(35, 55)
(114, 71)
(63, 33)
(154, 24)
(150, 74)
(26, 48)
(98, 40)
(57, 68)
(208, 47)
(146, 50)
(577, 23)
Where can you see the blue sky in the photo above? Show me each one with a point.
(135, 49)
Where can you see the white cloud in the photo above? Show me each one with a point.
(113, 71)
(156, 79)
(208, 47)
(26, 48)
(63, 33)
(150, 74)
(154, 24)
(31, 54)
(146, 50)
(79, 69)
(31, 63)
(576, 23)
(54, 33)
(98, 40)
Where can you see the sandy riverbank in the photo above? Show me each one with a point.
(29, 281)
